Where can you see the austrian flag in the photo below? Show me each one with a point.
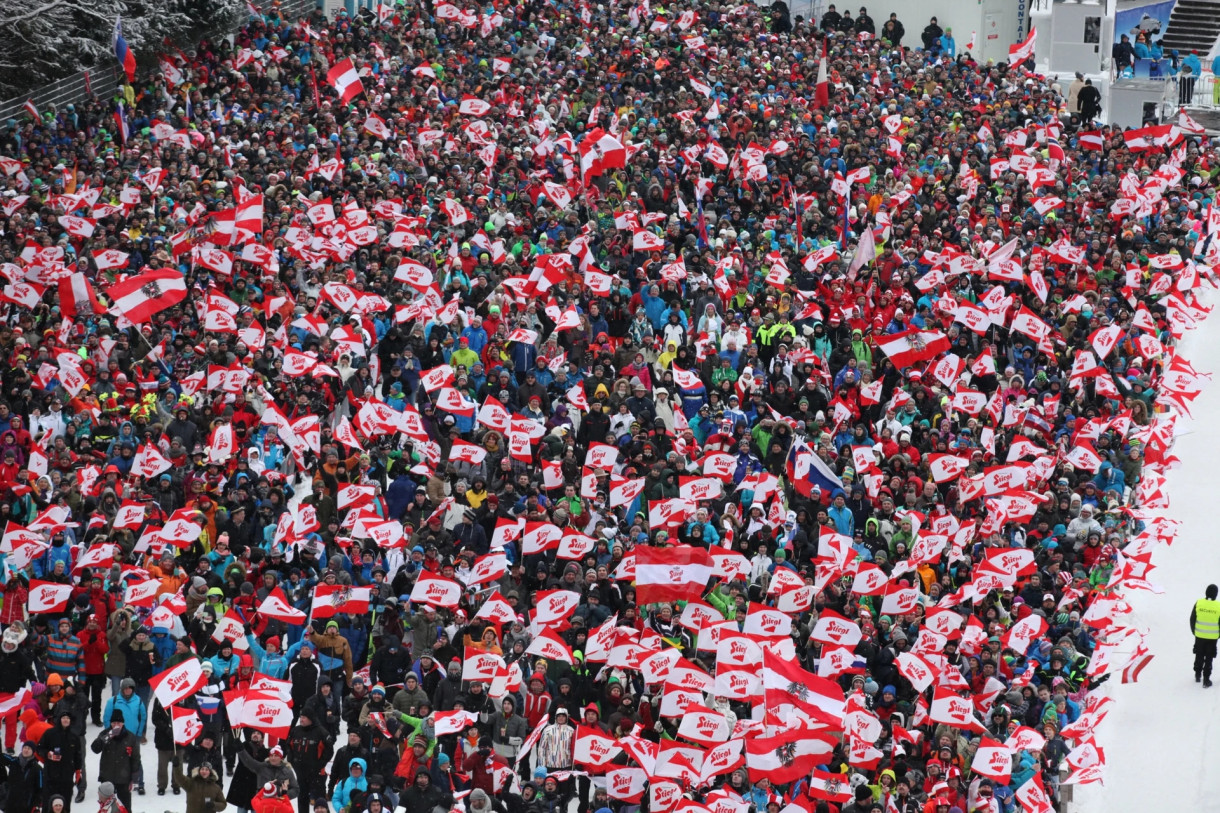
(913, 346)
(330, 600)
(345, 79)
(671, 574)
(143, 296)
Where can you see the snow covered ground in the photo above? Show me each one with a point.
(1162, 739)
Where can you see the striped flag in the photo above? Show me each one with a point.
(120, 120)
(31, 109)
(671, 574)
(1142, 657)
(121, 52)
(141, 297)
(1091, 140)
(76, 296)
(821, 94)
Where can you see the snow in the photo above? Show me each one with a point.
(1160, 740)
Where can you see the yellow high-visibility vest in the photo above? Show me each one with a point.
(1207, 619)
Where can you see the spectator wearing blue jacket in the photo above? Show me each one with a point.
(948, 45)
(268, 661)
(1109, 477)
(59, 551)
(654, 305)
(354, 783)
(164, 645)
(842, 517)
(128, 704)
(225, 662)
(475, 335)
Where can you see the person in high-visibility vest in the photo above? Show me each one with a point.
(1205, 624)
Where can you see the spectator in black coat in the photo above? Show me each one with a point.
(893, 30)
(24, 780)
(423, 795)
(62, 755)
(830, 20)
(931, 35)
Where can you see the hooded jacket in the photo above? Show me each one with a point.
(309, 749)
(343, 791)
(200, 791)
(325, 709)
(132, 709)
(424, 797)
(449, 689)
(24, 782)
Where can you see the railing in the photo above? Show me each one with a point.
(1206, 92)
(103, 81)
(69, 90)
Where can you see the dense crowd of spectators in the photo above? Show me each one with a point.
(460, 308)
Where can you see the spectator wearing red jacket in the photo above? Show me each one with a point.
(481, 765)
(95, 646)
(268, 800)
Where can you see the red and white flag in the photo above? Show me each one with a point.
(594, 749)
(946, 467)
(1142, 657)
(141, 297)
(276, 606)
(1091, 140)
(266, 712)
(47, 597)
(644, 240)
(820, 697)
(833, 787)
(993, 759)
(788, 756)
(953, 710)
(1033, 796)
(626, 784)
(376, 125)
(1022, 51)
(913, 346)
(473, 106)
(332, 599)
(463, 452)
(702, 725)
(821, 93)
(142, 594)
(187, 725)
(453, 722)
(345, 79)
(455, 211)
(129, 516)
(678, 573)
(436, 591)
(550, 646)
(177, 682)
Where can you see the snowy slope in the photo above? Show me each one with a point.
(1161, 740)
